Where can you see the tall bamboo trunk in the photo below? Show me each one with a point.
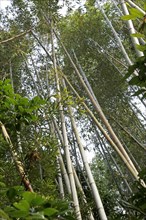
(93, 186)
(65, 138)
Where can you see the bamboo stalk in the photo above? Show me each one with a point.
(37, 75)
(37, 90)
(15, 37)
(104, 147)
(34, 35)
(79, 186)
(60, 183)
(130, 135)
(131, 29)
(135, 6)
(65, 175)
(18, 163)
(133, 171)
(65, 138)
(100, 112)
(116, 36)
(93, 186)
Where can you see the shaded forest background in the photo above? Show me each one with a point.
(72, 110)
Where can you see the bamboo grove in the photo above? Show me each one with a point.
(72, 110)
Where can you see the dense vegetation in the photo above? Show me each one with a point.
(72, 110)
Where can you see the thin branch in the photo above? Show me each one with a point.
(15, 37)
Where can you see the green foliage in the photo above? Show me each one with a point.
(136, 205)
(28, 205)
(106, 186)
(134, 14)
(137, 72)
(15, 109)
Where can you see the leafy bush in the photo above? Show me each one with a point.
(27, 205)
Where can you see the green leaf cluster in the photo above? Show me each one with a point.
(28, 205)
(134, 14)
(17, 109)
(137, 74)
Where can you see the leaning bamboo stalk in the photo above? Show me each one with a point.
(131, 29)
(31, 75)
(15, 157)
(61, 162)
(64, 173)
(93, 186)
(135, 6)
(116, 36)
(100, 112)
(137, 111)
(110, 58)
(106, 161)
(129, 134)
(116, 6)
(79, 186)
(60, 182)
(105, 148)
(15, 37)
(40, 43)
(37, 75)
(65, 138)
(133, 172)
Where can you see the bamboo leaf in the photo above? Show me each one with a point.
(141, 47)
(139, 35)
(19, 214)
(33, 198)
(128, 17)
(3, 215)
(136, 12)
(145, 6)
(50, 211)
